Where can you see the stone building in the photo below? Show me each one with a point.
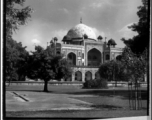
(85, 52)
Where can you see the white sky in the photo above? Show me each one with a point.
(53, 18)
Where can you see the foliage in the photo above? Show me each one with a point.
(61, 68)
(130, 67)
(16, 57)
(119, 57)
(96, 83)
(16, 16)
(105, 71)
(112, 70)
(136, 66)
(140, 42)
(43, 64)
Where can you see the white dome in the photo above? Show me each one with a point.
(79, 30)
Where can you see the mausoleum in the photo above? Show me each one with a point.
(85, 51)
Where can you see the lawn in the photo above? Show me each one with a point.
(104, 103)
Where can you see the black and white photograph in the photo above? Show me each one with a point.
(76, 59)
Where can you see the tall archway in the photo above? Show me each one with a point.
(88, 75)
(72, 58)
(119, 57)
(107, 57)
(97, 75)
(94, 57)
(78, 76)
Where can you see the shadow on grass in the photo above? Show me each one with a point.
(124, 93)
(110, 107)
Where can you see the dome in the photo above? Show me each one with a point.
(80, 30)
(111, 42)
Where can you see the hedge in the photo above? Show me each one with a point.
(96, 83)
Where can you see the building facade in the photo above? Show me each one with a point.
(85, 52)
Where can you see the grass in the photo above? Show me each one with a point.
(77, 90)
(108, 103)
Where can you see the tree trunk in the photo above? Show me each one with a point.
(115, 83)
(19, 78)
(10, 79)
(9, 82)
(45, 86)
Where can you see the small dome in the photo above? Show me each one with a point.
(111, 42)
(100, 37)
(66, 37)
(80, 30)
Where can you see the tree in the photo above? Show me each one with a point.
(15, 16)
(44, 65)
(40, 66)
(15, 52)
(61, 67)
(112, 70)
(140, 42)
(105, 71)
(136, 66)
(22, 64)
(16, 56)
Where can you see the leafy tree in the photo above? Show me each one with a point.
(136, 66)
(40, 66)
(16, 56)
(105, 71)
(61, 67)
(140, 42)
(16, 16)
(43, 64)
(112, 70)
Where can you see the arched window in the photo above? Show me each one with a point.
(107, 57)
(58, 52)
(82, 55)
(72, 58)
(79, 63)
(79, 53)
(78, 76)
(88, 75)
(97, 75)
(94, 57)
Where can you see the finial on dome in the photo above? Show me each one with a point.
(81, 20)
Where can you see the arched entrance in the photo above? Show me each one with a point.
(88, 75)
(94, 57)
(107, 57)
(72, 58)
(97, 75)
(119, 57)
(78, 76)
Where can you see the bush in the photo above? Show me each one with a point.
(96, 83)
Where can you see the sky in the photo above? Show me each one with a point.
(54, 18)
